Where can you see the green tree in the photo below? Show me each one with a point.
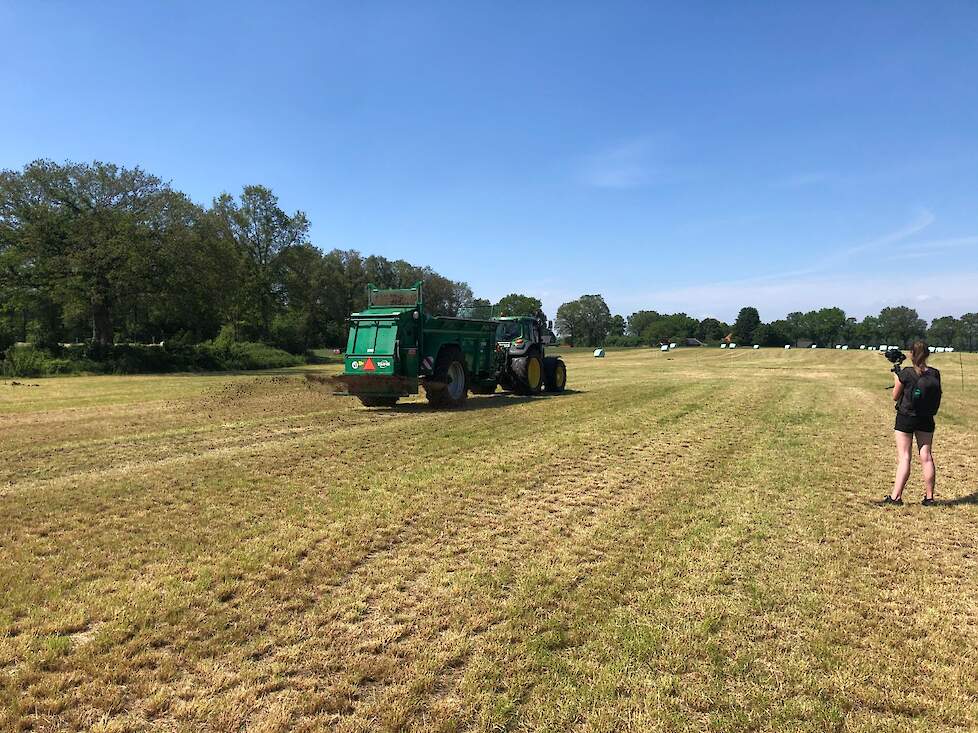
(772, 334)
(585, 320)
(967, 332)
(827, 325)
(710, 329)
(747, 322)
(943, 331)
(516, 304)
(639, 322)
(88, 238)
(618, 326)
(901, 325)
(868, 331)
(261, 231)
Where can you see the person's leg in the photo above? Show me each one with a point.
(925, 445)
(904, 446)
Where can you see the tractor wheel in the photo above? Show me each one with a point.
(554, 374)
(375, 401)
(450, 371)
(528, 371)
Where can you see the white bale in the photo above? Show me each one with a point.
(838, 346)
(932, 349)
(756, 346)
(940, 349)
(672, 346)
(723, 346)
(599, 353)
(845, 347)
(814, 346)
(664, 347)
(787, 346)
(863, 347)
(882, 347)
(949, 348)
(733, 346)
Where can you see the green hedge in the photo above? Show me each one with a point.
(28, 361)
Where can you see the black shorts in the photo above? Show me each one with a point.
(910, 424)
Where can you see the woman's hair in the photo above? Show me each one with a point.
(918, 355)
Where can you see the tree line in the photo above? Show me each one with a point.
(588, 321)
(104, 254)
(107, 254)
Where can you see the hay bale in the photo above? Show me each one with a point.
(723, 346)
(664, 347)
(599, 353)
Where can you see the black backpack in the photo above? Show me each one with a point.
(922, 393)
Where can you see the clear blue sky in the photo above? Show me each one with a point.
(691, 156)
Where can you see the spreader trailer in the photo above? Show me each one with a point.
(394, 347)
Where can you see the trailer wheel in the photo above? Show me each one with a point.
(528, 371)
(378, 401)
(555, 374)
(449, 371)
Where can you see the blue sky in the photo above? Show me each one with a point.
(691, 156)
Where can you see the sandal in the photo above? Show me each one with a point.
(891, 500)
(928, 501)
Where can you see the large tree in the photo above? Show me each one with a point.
(90, 238)
(942, 331)
(967, 332)
(901, 325)
(261, 232)
(586, 320)
(747, 322)
(711, 329)
(516, 304)
(618, 326)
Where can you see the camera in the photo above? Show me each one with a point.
(895, 357)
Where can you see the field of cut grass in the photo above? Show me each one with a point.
(683, 542)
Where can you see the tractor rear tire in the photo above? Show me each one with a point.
(554, 374)
(450, 371)
(528, 371)
(372, 401)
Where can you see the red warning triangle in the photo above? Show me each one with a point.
(368, 366)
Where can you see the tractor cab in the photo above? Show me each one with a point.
(521, 334)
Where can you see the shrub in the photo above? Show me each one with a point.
(28, 361)
(246, 355)
(23, 361)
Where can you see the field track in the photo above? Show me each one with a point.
(682, 541)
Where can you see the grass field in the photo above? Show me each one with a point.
(685, 541)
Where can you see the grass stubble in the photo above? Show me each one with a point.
(685, 541)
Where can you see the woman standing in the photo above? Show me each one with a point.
(917, 394)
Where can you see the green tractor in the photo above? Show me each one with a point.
(395, 346)
(525, 367)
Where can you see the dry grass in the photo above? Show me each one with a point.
(688, 541)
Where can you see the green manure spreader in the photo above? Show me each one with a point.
(395, 347)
